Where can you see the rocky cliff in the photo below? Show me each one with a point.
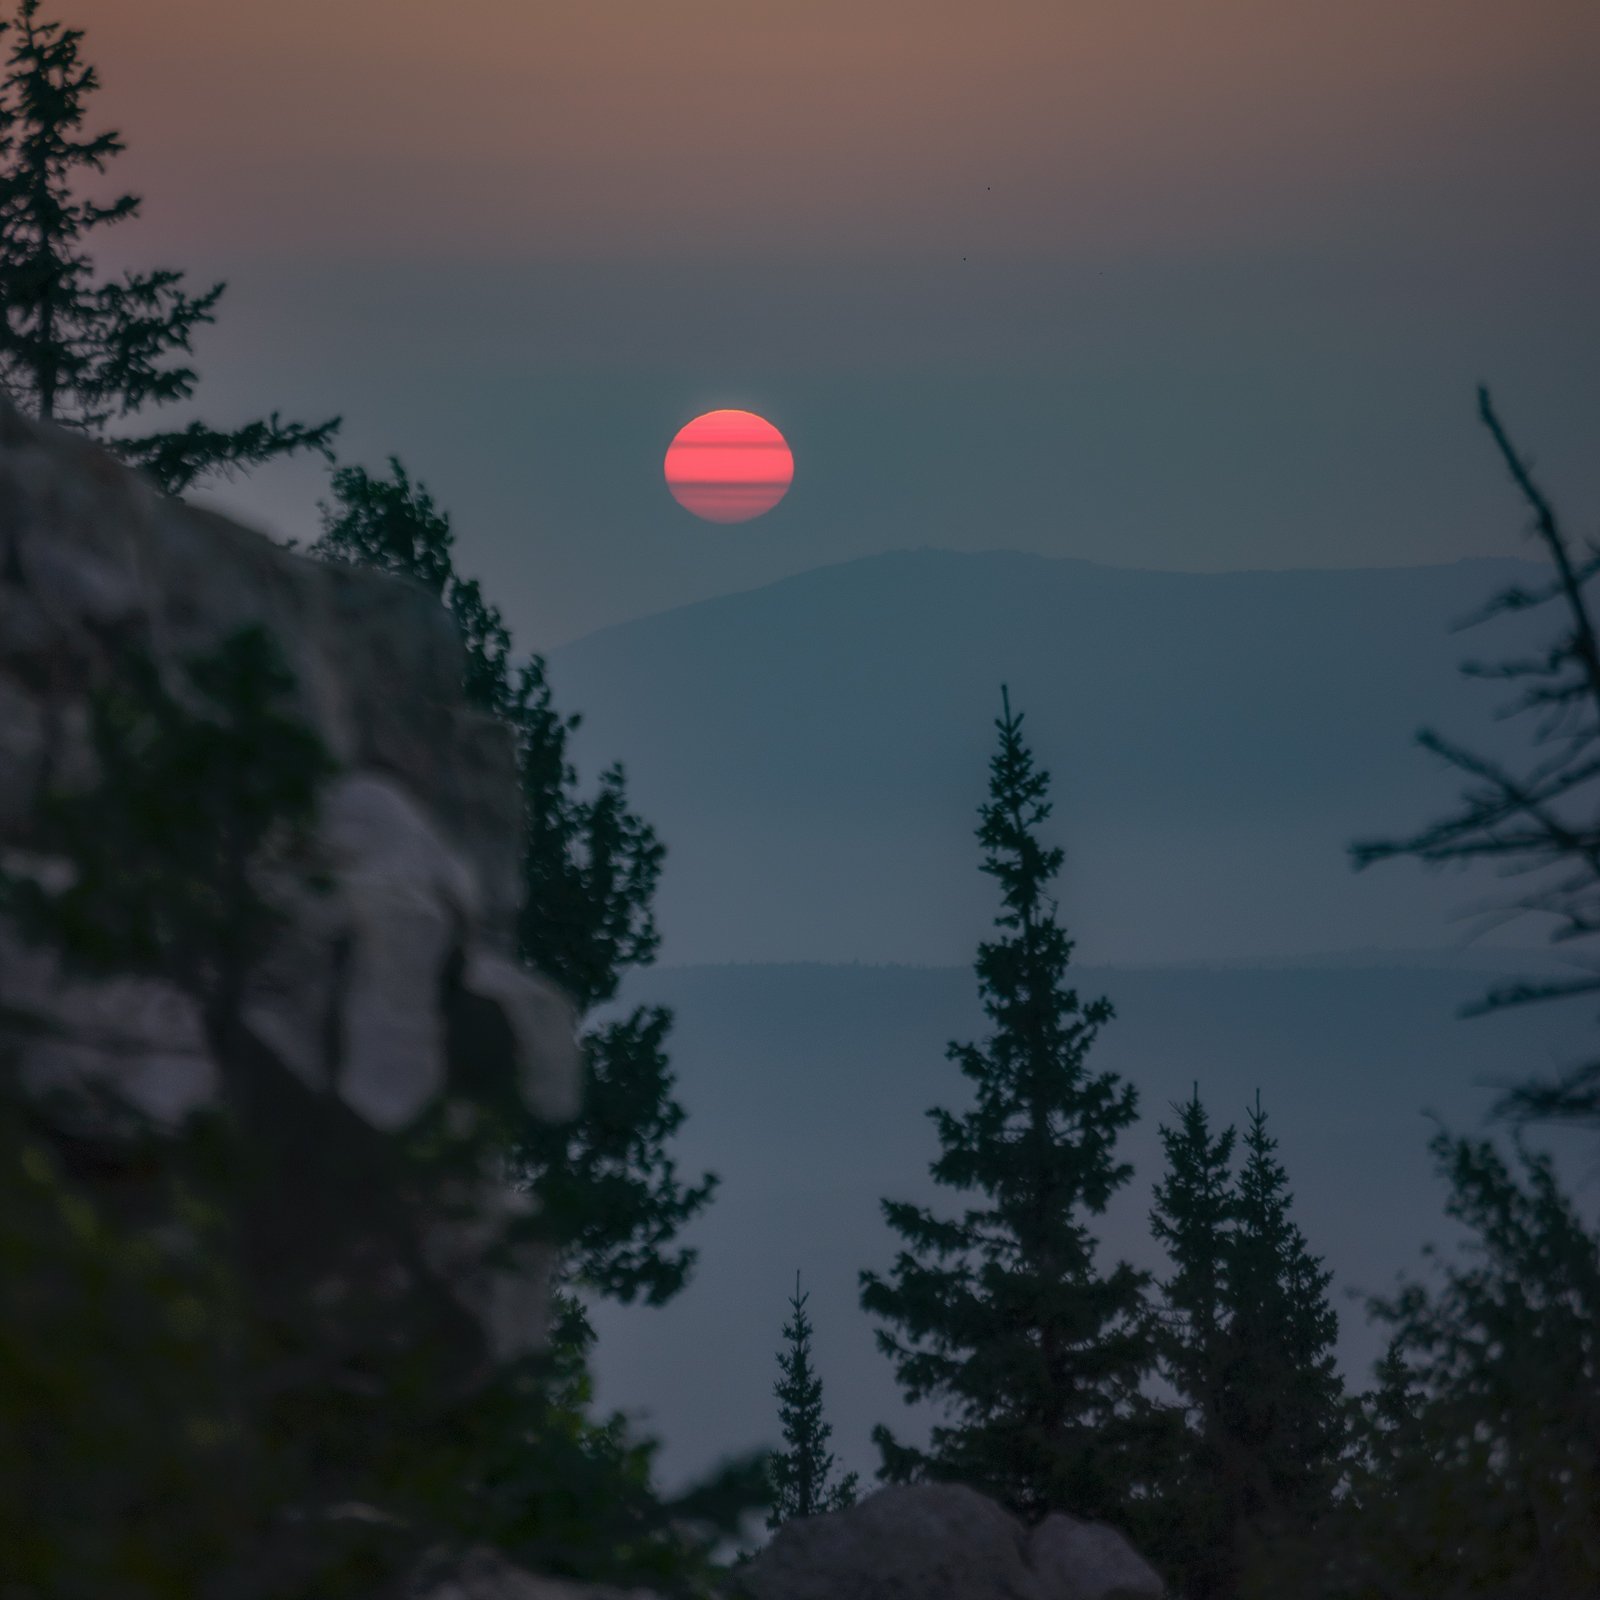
(418, 831)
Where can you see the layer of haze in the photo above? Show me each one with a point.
(1171, 284)
(1165, 284)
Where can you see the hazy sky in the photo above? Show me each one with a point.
(1179, 284)
(1172, 283)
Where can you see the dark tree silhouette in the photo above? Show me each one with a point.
(1284, 1415)
(1001, 1312)
(85, 352)
(802, 1472)
(1540, 821)
(393, 525)
(1247, 1345)
(1193, 1218)
(1478, 1476)
(608, 1183)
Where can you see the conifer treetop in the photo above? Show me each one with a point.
(85, 352)
(1193, 1216)
(802, 1472)
(1001, 1312)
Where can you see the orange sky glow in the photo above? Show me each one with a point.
(1194, 284)
(1016, 125)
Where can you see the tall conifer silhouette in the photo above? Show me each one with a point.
(88, 352)
(1247, 1346)
(802, 1472)
(1283, 1403)
(1001, 1314)
(1193, 1217)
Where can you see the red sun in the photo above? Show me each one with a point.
(729, 466)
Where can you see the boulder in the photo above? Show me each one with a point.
(1077, 1560)
(945, 1542)
(485, 1576)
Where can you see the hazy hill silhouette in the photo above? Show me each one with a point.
(813, 752)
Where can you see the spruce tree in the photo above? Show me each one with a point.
(84, 352)
(1282, 1403)
(607, 1183)
(1193, 1217)
(802, 1470)
(392, 525)
(1001, 1313)
(1478, 1476)
(1246, 1343)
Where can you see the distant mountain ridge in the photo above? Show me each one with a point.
(813, 751)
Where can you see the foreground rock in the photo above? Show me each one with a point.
(394, 969)
(946, 1542)
(484, 1576)
(928, 1542)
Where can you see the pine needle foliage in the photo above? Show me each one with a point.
(83, 351)
(1193, 1218)
(1000, 1314)
(608, 1183)
(803, 1484)
(1246, 1343)
(1478, 1476)
(1284, 1415)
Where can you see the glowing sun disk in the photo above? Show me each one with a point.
(728, 466)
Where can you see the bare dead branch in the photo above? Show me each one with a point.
(1542, 822)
